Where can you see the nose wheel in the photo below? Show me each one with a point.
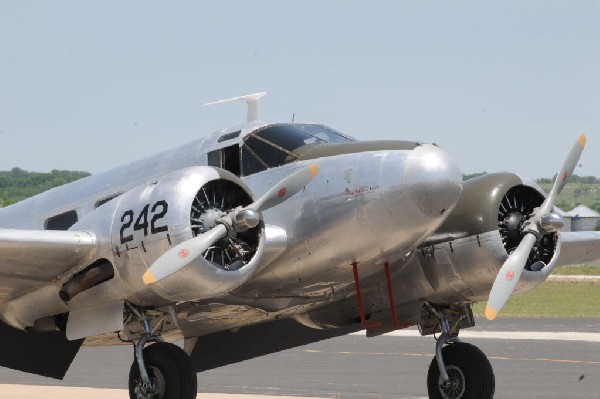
(470, 375)
(161, 370)
(170, 372)
(458, 370)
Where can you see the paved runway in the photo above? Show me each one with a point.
(539, 364)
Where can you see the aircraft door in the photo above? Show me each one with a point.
(227, 158)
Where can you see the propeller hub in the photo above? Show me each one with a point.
(246, 219)
(552, 223)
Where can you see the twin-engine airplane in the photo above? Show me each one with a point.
(268, 236)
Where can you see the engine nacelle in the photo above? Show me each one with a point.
(461, 260)
(149, 220)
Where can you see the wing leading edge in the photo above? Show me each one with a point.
(32, 258)
(579, 247)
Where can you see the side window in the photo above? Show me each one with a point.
(227, 158)
(61, 222)
(251, 163)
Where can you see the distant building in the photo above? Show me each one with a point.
(581, 218)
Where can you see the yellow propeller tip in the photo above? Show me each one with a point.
(149, 277)
(582, 140)
(490, 313)
(314, 169)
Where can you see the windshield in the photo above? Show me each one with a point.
(291, 137)
(324, 133)
(276, 145)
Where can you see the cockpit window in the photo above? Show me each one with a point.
(324, 133)
(287, 137)
(250, 162)
(276, 145)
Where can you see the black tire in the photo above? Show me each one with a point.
(470, 373)
(169, 366)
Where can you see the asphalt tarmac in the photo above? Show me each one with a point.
(546, 360)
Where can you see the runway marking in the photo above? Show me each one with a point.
(430, 355)
(10, 391)
(522, 335)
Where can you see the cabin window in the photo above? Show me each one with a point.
(227, 158)
(64, 221)
(229, 136)
(105, 200)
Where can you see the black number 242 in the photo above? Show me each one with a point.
(158, 210)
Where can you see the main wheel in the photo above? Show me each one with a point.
(170, 370)
(470, 372)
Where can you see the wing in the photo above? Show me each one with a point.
(581, 247)
(32, 258)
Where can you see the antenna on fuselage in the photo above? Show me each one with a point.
(252, 100)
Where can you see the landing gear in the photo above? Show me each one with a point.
(470, 375)
(170, 373)
(161, 370)
(459, 370)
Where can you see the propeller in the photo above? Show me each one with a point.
(240, 219)
(540, 223)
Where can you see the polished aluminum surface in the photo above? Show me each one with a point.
(403, 206)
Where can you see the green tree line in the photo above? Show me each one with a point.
(573, 179)
(18, 184)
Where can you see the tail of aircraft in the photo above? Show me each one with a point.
(252, 100)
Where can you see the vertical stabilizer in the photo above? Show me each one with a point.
(252, 100)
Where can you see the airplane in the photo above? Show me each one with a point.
(267, 236)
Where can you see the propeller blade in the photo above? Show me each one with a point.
(511, 271)
(563, 175)
(508, 277)
(183, 254)
(285, 189)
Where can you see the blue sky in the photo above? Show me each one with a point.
(501, 86)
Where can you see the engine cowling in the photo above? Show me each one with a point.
(461, 260)
(149, 220)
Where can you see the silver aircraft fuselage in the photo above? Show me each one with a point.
(372, 203)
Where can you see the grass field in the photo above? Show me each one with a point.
(552, 299)
(582, 270)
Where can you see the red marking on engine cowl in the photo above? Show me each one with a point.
(184, 253)
(565, 176)
(282, 192)
(510, 275)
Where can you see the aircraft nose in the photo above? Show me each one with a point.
(434, 180)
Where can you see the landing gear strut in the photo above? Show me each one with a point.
(161, 370)
(459, 370)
